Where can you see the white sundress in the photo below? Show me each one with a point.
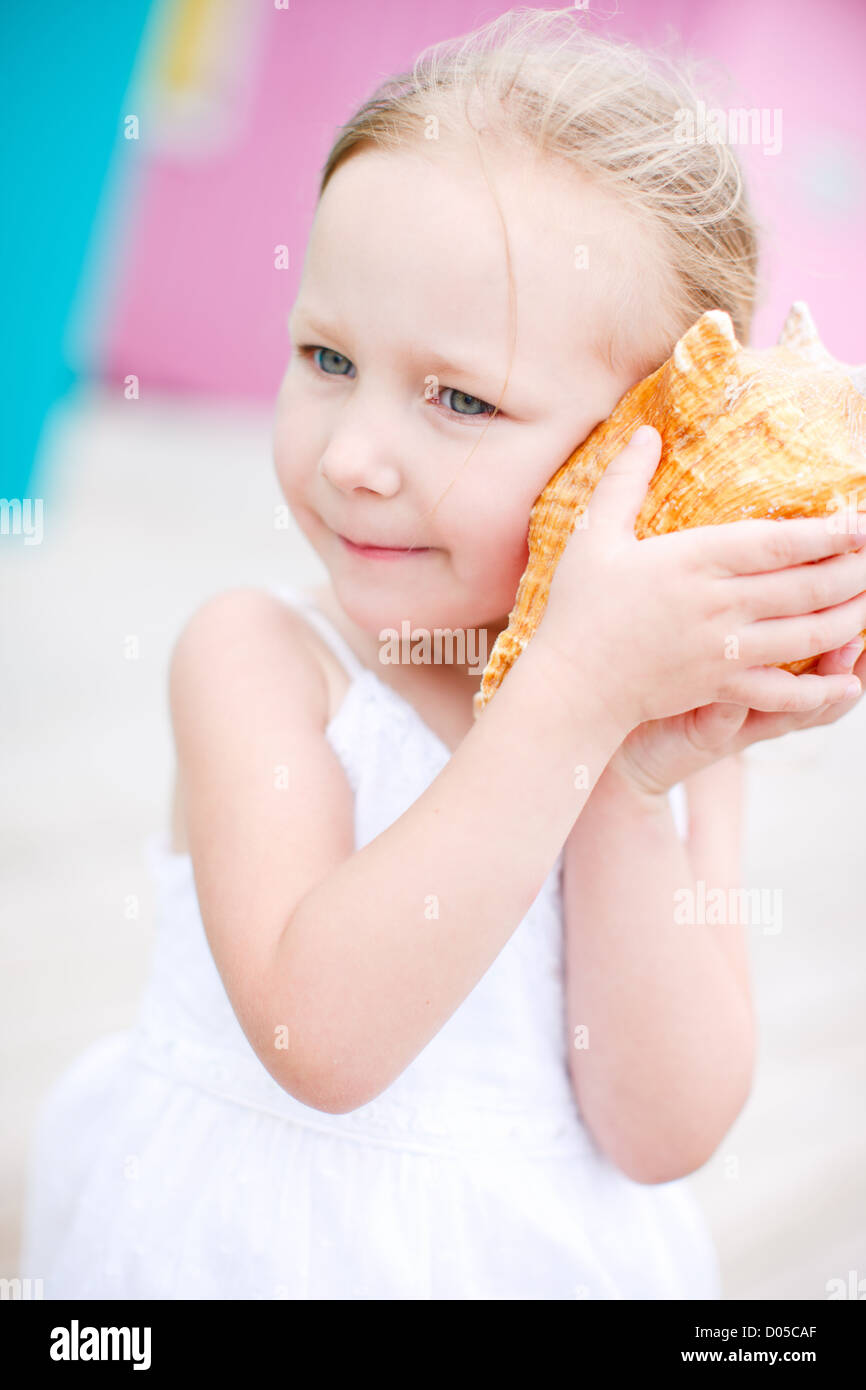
(167, 1162)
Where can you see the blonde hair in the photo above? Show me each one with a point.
(609, 109)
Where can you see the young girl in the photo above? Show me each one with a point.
(421, 1022)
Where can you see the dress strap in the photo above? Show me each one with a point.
(680, 809)
(303, 602)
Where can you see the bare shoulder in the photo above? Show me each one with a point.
(267, 810)
(238, 627)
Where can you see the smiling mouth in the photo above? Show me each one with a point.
(382, 550)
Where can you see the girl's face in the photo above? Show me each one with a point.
(404, 295)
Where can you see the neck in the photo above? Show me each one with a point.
(454, 664)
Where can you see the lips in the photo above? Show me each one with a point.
(374, 545)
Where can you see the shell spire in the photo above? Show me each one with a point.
(775, 433)
(800, 335)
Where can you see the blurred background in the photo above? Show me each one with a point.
(162, 159)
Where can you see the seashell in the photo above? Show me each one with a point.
(774, 433)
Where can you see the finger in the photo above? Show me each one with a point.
(840, 707)
(777, 640)
(619, 494)
(757, 545)
(841, 660)
(828, 714)
(762, 725)
(715, 724)
(774, 691)
(833, 712)
(803, 588)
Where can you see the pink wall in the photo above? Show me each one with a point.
(199, 306)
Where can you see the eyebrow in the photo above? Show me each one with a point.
(440, 363)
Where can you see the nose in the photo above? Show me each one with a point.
(356, 455)
(350, 474)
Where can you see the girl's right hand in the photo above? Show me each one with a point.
(672, 622)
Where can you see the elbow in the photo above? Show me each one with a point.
(655, 1175)
(321, 1067)
(332, 1095)
(670, 1164)
(330, 1088)
(654, 1165)
(680, 1159)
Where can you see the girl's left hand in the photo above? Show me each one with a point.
(658, 754)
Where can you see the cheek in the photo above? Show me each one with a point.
(294, 443)
(495, 555)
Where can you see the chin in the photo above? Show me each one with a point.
(370, 612)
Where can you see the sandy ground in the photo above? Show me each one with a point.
(154, 506)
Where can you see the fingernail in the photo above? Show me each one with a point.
(853, 649)
(852, 688)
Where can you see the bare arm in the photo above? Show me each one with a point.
(670, 1053)
(341, 948)
(715, 798)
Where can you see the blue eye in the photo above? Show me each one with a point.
(474, 401)
(474, 406)
(312, 351)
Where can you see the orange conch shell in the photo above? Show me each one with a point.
(777, 433)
